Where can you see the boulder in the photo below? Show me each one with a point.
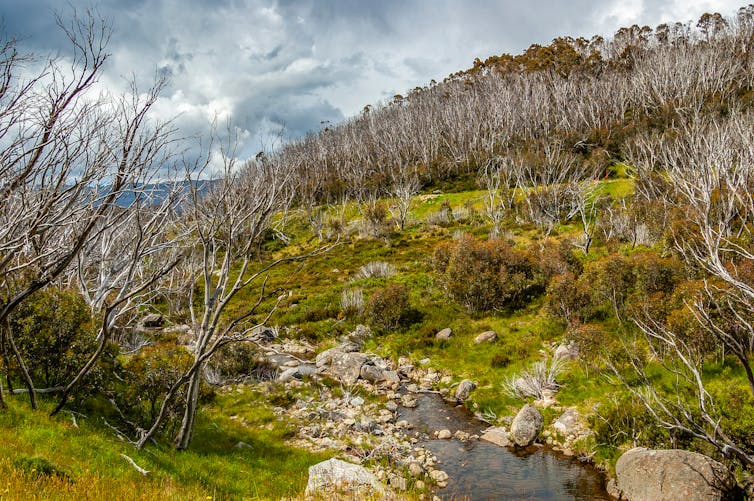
(325, 358)
(670, 475)
(465, 388)
(526, 426)
(346, 367)
(497, 436)
(333, 475)
(485, 337)
(153, 320)
(444, 334)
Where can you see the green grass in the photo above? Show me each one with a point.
(212, 467)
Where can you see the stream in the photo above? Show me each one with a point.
(480, 470)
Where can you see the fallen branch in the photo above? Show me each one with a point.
(136, 466)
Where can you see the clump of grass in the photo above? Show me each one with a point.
(352, 302)
(534, 381)
(376, 269)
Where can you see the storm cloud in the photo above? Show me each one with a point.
(294, 65)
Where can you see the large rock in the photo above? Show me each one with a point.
(670, 475)
(485, 337)
(464, 389)
(526, 426)
(334, 475)
(346, 367)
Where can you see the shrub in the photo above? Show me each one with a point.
(148, 376)
(388, 307)
(489, 275)
(55, 332)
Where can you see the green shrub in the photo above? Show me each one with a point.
(39, 467)
(388, 308)
(55, 333)
(488, 275)
(148, 376)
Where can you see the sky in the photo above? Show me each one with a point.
(296, 65)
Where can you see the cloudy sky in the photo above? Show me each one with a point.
(295, 64)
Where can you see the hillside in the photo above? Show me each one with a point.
(570, 228)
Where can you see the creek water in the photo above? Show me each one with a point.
(480, 470)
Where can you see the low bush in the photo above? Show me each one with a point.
(388, 308)
(488, 275)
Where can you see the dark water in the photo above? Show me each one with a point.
(480, 470)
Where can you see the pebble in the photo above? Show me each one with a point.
(444, 434)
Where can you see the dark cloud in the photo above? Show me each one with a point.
(266, 64)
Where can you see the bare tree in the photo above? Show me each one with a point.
(66, 159)
(710, 168)
(225, 221)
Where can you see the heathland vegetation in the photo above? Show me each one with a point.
(596, 194)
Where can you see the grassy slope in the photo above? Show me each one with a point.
(212, 468)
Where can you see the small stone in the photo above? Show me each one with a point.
(438, 476)
(357, 401)
(464, 390)
(408, 401)
(415, 469)
(419, 485)
(444, 334)
(444, 434)
(397, 482)
(242, 445)
(391, 406)
(485, 337)
(424, 361)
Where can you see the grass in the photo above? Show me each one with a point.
(213, 467)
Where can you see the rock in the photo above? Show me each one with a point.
(336, 475)
(408, 401)
(438, 476)
(444, 334)
(464, 389)
(289, 374)
(346, 367)
(461, 435)
(497, 436)
(444, 434)
(391, 406)
(415, 469)
(398, 482)
(372, 373)
(568, 423)
(526, 426)
(267, 335)
(242, 445)
(485, 337)
(153, 320)
(670, 475)
(419, 485)
(325, 358)
(567, 351)
(356, 401)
